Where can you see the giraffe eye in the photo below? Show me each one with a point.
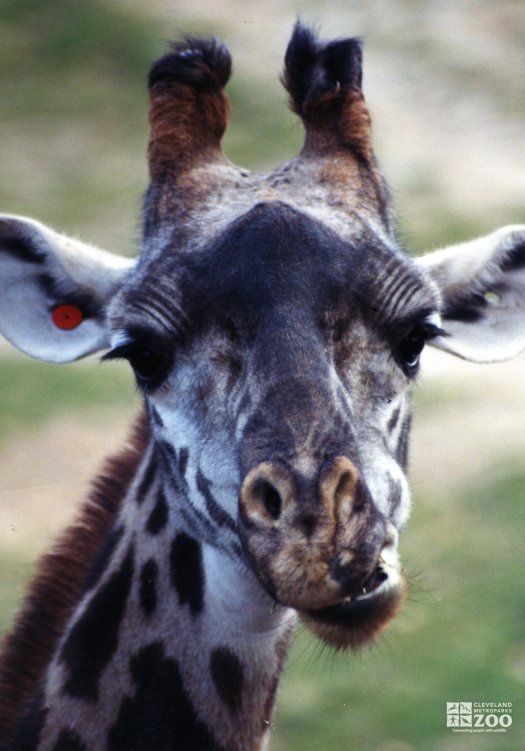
(410, 349)
(149, 364)
(146, 365)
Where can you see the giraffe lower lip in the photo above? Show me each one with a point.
(357, 620)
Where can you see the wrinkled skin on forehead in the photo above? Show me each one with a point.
(276, 347)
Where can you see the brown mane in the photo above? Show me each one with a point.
(57, 585)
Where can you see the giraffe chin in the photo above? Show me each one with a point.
(356, 621)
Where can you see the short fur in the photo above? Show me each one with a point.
(189, 111)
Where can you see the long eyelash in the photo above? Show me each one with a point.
(121, 352)
(431, 331)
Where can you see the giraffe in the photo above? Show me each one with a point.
(274, 327)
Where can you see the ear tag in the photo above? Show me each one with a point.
(67, 317)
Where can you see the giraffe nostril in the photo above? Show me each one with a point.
(269, 497)
(345, 484)
(266, 492)
(338, 483)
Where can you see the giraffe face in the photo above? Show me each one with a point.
(275, 329)
(276, 363)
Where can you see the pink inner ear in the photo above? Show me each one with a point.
(67, 317)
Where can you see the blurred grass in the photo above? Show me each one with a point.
(278, 134)
(91, 39)
(34, 392)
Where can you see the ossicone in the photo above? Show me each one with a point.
(324, 82)
(189, 109)
(204, 64)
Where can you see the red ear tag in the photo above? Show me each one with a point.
(67, 317)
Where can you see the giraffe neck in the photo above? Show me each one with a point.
(174, 645)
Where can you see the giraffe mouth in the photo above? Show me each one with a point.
(361, 616)
(372, 583)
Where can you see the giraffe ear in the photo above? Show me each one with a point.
(482, 284)
(54, 290)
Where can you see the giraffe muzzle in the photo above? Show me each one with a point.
(314, 543)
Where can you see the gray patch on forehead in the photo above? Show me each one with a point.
(274, 256)
(271, 255)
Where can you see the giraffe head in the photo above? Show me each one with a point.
(275, 328)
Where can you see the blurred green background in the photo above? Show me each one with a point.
(444, 82)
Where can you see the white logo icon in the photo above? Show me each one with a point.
(479, 717)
